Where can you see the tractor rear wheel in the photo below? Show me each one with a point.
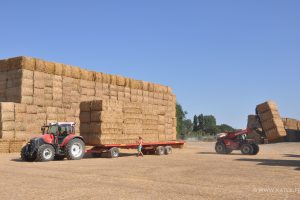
(160, 150)
(25, 157)
(75, 149)
(247, 149)
(220, 148)
(255, 149)
(45, 153)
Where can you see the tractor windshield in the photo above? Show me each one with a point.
(52, 129)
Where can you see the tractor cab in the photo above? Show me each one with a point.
(59, 130)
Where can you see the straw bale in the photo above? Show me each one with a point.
(58, 69)
(40, 65)
(275, 133)
(15, 146)
(67, 71)
(266, 106)
(4, 145)
(20, 126)
(121, 81)
(133, 121)
(291, 124)
(7, 116)
(7, 125)
(75, 72)
(87, 75)
(268, 115)
(50, 67)
(27, 100)
(27, 74)
(272, 123)
(105, 78)
(87, 84)
(113, 79)
(7, 107)
(20, 108)
(98, 76)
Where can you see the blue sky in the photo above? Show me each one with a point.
(220, 57)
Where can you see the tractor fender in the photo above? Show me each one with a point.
(69, 138)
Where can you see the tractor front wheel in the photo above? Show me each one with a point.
(255, 149)
(45, 153)
(25, 157)
(247, 149)
(75, 149)
(220, 148)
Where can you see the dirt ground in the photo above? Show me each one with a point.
(194, 172)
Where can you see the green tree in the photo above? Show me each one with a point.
(195, 124)
(187, 127)
(201, 122)
(180, 117)
(226, 128)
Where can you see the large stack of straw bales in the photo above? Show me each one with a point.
(270, 120)
(292, 127)
(122, 122)
(44, 92)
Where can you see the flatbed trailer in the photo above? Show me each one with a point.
(158, 148)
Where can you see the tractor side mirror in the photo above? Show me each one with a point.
(43, 130)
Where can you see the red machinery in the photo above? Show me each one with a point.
(229, 141)
(57, 142)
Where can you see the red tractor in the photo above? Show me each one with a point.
(57, 142)
(229, 141)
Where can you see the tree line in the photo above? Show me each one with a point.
(201, 125)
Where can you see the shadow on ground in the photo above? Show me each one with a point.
(274, 162)
(291, 155)
(214, 153)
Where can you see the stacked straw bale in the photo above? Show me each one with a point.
(121, 122)
(270, 120)
(44, 92)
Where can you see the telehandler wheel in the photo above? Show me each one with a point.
(247, 149)
(168, 150)
(160, 150)
(255, 149)
(113, 152)
(25, 157)
(220, 148)
(75, 149)
(45, 153)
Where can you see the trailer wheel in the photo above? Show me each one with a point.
(247, 149)
(168, 150)
(75, 149)
(255, 149)
(113, 152)
(160, 150)
(220, 148)
(45, 153)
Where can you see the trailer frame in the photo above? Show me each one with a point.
(157, 148)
